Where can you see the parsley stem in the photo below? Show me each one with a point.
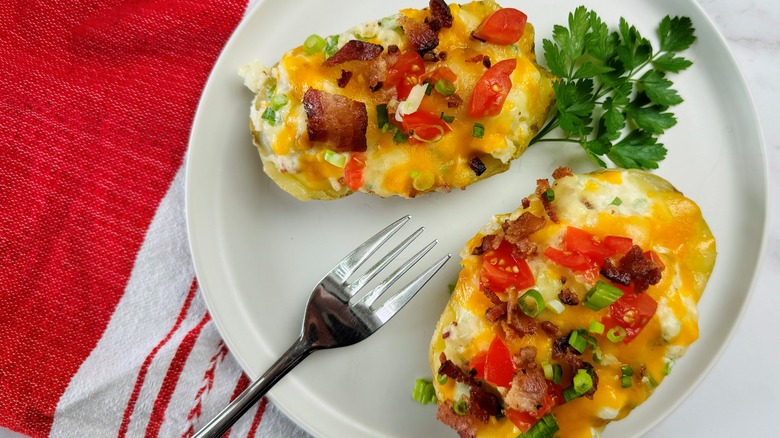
(551, 124)
(550, 140)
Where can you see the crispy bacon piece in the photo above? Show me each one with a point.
(449, 369)
(542, 185)
(420, 34)
(453, 100)
(465, 425)
(525, 202)
(477, 166)
(517, 324)
(495, 313)
(562, 172)
(354, 50)
(440, 14)
(550, 329)
(568, 297)
(642, 270)
(483, 404)
(529, 387)
(344, 79)
(612, 273)
(336, 120)
(519, 229)
(491, 241)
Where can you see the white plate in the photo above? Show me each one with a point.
(258, 251)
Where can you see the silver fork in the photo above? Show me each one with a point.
(331, 320)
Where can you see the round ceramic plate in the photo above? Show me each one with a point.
(258, 251)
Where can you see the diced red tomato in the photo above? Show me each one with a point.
(632, 312)
(405, 73)
(478, 364)
(499, 367)
(442, 73)
(556, 393)
(424, 125)
(500, 270)
(574, 260)
(353, 170)
(491, 89)
(505, 26)
(586, 243)
(618, 244)
(652, 255)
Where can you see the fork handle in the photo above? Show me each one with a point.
(255, 391)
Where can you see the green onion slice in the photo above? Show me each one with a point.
(424, 392)
(548, 370)
(382, 118)
(616, 333)
(626, 381)
(400, 137)
(626, 370)
(616, 201)
(270, 116)
(334, 158)
(446, 118)
(278, 101)
(596, 327)
(544, 428)
(570, 394)
(460, 407)
(557, 373)
(601, 296)
(478, 131)
(331, 46)
(314, 44)
(445, 87)
(428, 88)
(531, 303)
(422, 180)
(442, 379)
(583, 382)
(550, 195)
(578, 341)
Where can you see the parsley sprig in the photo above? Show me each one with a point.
(613, 80)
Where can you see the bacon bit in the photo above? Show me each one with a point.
(491, 241)
(568, 297)
(477, 58)
(521, 228)
(562, 172)
(430, 56)
(440, 14)
(443, 56)
(392, 48)
(344, 79)
(422, 37)
(449, 369)
(528, 389)
(486, 61)
(492, 296)
(477, 166)
(376, 86)
(483, 404)
(495, 313)
(517, 324)
(524, 249)
(337, 120)
(612, 273)
(453, 100)
(550, 329)
(542, 185)
(465, 425)
(525, 202)
(354, 50)
(642, 270)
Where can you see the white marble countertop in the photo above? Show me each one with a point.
(741, 394)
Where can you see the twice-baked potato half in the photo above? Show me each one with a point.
(568, 312)
(425, 100)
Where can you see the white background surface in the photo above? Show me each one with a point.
(741, 395)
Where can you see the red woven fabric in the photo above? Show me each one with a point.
(96, 102)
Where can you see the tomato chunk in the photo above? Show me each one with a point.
(424, 125)
(353, 170)
(504, 27)
(491, 89)
(587, 244)
(405, 73)
(499, 367)
(632, 312)
(500, 270)
(477, 363)
(525, 419)
(618, 244)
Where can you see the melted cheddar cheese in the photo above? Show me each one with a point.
(297, 164)
(655, 217)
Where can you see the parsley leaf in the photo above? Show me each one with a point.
(614, 96)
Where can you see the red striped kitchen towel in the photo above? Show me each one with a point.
(104, 332)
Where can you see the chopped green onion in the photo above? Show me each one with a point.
(601, 296)
(616, 201)
(582, 382)
(596, 327)
(424, 392)
(382, 118)
(625, 378)
(270, 116)
(598, 355)
(544, 428)
(577, 341)
(616, 333)
(400, 137)
(422, 180)
(314, 44)
(550, 195)
(557, 373)
(334, 158)
(556, 306)
(442, 379)
(650, 381)
(428, 89)
(478, 131)
(446, 118)
(570, 394)
(548, 370)
(278, 101)
(531, 303)
(626, 370)
(668, 364)
(445, 87)
(332, 46)
(460, 407)
(626, 381)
